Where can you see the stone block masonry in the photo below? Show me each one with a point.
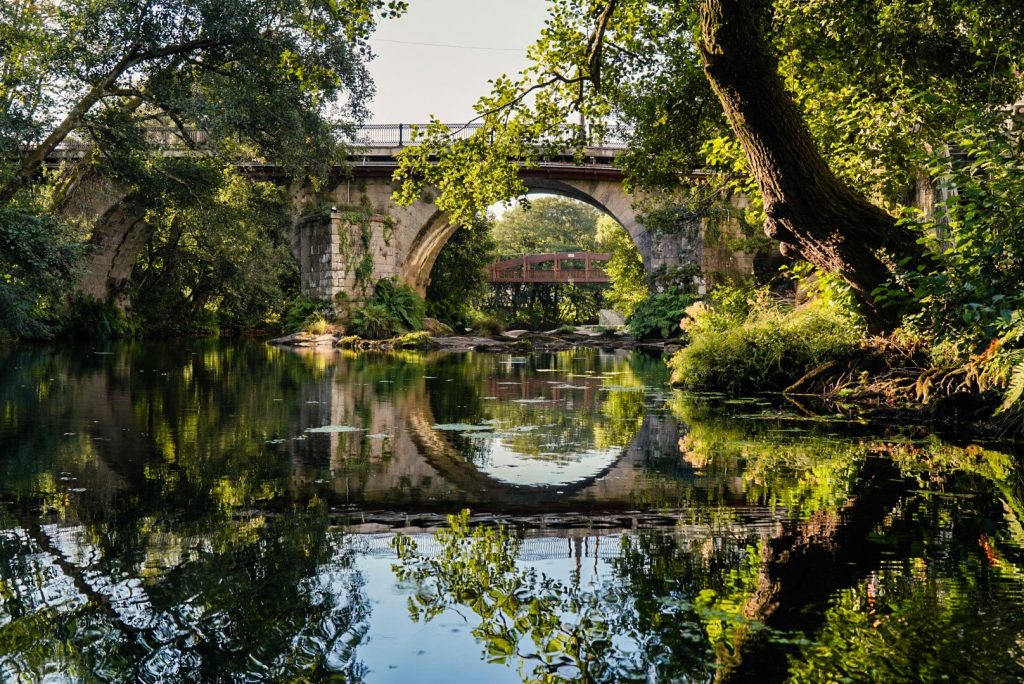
(344, 253)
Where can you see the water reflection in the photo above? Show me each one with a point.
(204, 511)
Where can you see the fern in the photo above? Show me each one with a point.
(1015, 387)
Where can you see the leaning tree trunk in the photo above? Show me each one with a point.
(809, 210)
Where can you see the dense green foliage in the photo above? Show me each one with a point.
(659, 314)
(38, 256)
(977, 235)
(217, 260)
(458, 281)
(301, 311)
(278, 79)
(625, 269)
(393, 309)
(282, 84)
(750, 341)
(546, 224)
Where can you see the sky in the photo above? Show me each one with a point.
(415, 81)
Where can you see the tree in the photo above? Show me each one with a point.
(270, 79)
(625, 269)
(546, 224)
(220, 80)
(807, 208)
(672, 74)
(37, 259)
(458, 281)
(215, 261)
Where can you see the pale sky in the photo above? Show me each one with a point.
(415, 81)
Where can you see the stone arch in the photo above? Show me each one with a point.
(427, 244)
(608, 197)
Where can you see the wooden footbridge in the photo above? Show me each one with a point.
(552, 267)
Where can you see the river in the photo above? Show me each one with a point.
(228, 511)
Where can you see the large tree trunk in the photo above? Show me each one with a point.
(810, 211)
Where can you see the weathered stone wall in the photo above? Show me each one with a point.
(343, 254)
(720, 260)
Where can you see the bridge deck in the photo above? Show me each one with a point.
(552, 267)
(372, 152)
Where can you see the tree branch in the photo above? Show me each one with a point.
(31, 162)
(555, 78)
(595, 43)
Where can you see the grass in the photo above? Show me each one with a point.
(764, 345)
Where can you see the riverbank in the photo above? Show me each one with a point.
(512, 341)
(871, 384)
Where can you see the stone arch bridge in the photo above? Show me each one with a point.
(365, 236)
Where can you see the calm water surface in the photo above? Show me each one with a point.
(203, 511)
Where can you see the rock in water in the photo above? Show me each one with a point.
(610, 317)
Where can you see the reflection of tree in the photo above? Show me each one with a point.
(556, 632)
(949, 599)
(254, 599)
(875, 554)
(651, 619)
(801, 467)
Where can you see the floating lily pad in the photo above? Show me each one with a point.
(336, 428)
(477, 434)
(461, 427)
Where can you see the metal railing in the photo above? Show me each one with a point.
(385, 136)
(401, 134)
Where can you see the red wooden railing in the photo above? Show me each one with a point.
(553, 267)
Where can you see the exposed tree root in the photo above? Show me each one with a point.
(887, 380)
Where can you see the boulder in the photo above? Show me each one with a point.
(610, 318)
(436, 328)
(305, 339)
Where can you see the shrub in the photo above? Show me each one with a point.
(416, 340)
(767, 346)
(88, 317)
(301, 311)
(402, 301)
(317, 324)
(393, 309)
(374, 322)
(660, 313)
(486, 324)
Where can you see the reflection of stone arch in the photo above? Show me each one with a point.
(619, 476)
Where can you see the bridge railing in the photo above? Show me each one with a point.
(401, 134)
(371, 136)
(552, 267)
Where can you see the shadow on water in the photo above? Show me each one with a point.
(207, 511)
